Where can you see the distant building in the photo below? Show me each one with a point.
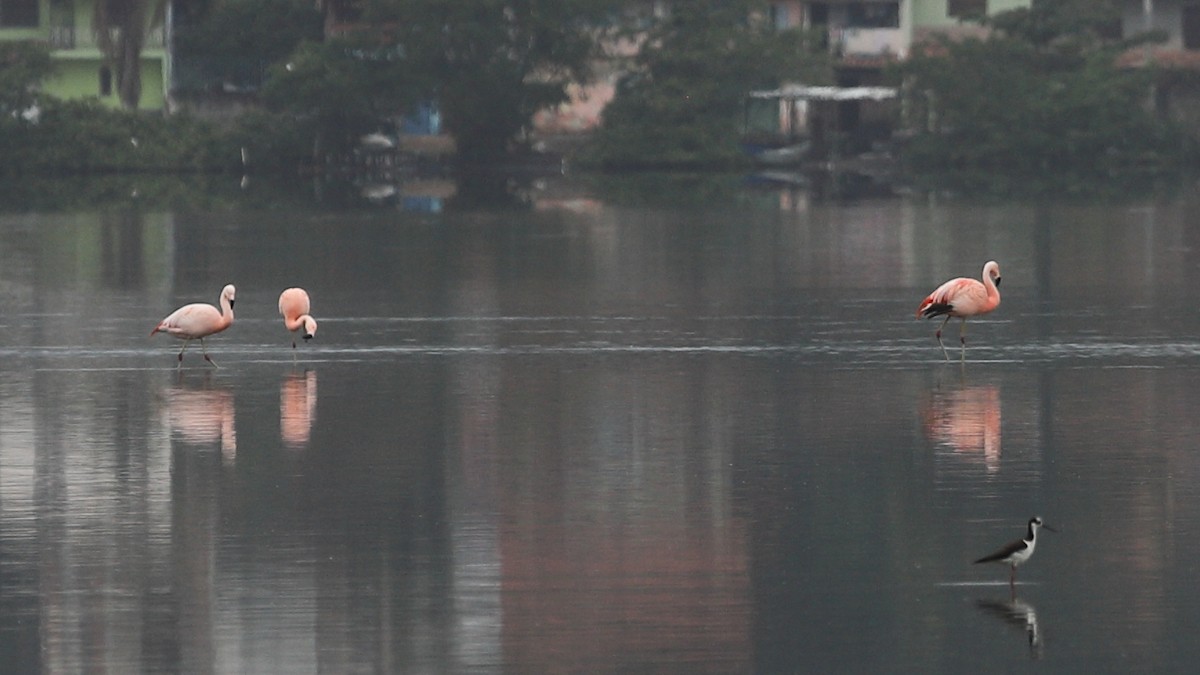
(81, 70)
(864, 37)
(1176, 59)
(1176, 20)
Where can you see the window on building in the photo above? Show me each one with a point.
(1191, 26)
(105, 81)
(818, 14)
(873, 15)
(18, 13)
(966, 9)
(780, 17)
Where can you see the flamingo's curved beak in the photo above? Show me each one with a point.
(1047, 527)
(997, 282)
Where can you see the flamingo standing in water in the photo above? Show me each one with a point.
(962, 297)
(293, 305)
(199, 320)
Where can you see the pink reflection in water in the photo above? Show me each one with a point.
(202, 416)
(297, 408)
(966, 420)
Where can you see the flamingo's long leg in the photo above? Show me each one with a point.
(185, 346)
(962, 337)
(206, 356)
(938, 334)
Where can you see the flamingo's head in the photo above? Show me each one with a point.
(310, 327)
(992, 270)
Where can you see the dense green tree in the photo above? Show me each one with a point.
(1063, 25)
(492, 63)
(343, 88)
(23, 66)
(1041, 93)
(233, 42)
(682, 103)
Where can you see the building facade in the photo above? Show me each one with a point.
(81, 70)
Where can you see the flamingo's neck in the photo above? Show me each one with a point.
(993, 291)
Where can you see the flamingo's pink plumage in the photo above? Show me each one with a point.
(962, 298)
(294, 306)
(199, 320)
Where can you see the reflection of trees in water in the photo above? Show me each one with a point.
(374, 505)
(122, 250)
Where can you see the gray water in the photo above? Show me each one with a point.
(588, 433)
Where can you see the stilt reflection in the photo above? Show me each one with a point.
(1018, 614)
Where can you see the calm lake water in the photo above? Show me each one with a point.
(676, 425)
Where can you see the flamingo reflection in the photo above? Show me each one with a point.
(1019, 614)
(967, 421)
(297, 407)
(202, 416)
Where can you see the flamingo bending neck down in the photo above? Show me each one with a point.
(294, 306)
(199, 320)
(962, 297)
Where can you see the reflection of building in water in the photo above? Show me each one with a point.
(577, 595)
(618, 540)
(966, 421)
(85, 495)
(472, 488)
(591, 522)
(202, 417)
(297, 408)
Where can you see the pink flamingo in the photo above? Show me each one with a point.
(199, 320)
(293, 305)
(962, 297)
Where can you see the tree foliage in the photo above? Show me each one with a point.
(492, 63)
(1041, 93)
(233, 42)
(342, 88)
(23, 66)
(1064, 25)
(85, 136)
(682, 103)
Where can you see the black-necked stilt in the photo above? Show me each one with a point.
(1017, 552)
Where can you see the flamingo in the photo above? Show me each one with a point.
(962, 297)
(199, 320)
(293, 305)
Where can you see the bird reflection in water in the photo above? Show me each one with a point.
(967, 421)
(1019, 614)
(202, 416)
(297, 407)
